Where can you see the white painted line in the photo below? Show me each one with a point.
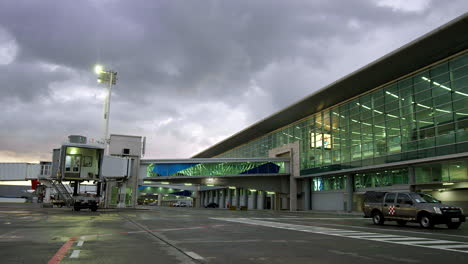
(344, 231)
(432, 242)
(450, 246)
(377, 236)
(75, 254)
(194, 255)
(390, 239)
(312, 218)
(80, 243)
(393, 230)
(357, 234)
(380, 237)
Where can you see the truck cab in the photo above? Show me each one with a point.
(404, 207)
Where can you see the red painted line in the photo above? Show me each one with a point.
(62, 251)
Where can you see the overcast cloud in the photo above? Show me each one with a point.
(191, 73)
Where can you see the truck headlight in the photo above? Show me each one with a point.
(437, 210)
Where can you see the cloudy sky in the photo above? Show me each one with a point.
(191, 73)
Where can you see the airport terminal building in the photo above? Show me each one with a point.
(399, 123)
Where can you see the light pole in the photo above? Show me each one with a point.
(110, 78)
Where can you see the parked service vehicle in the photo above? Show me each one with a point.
(404, 207)
(180, 204)
(212, 205)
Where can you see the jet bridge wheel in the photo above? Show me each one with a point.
(77, 206)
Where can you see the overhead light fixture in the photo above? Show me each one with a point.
(232, 187)
(448, 183)
(210, 185)
(164, 182)
(187, 184)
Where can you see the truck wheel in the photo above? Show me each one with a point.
(425, 221)
(401, 222)
(453, 225)
(378, 218)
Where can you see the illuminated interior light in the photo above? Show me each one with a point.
(441, 110)
(187, 184)
(393, 95)
(366, 107)
(461, 93)
(232, 187)
(165, 183)
(448, 183)
(378, 112)
(210, 185)
(423, 106)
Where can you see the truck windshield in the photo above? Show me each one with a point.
(424, 198)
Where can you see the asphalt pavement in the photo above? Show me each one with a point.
(30, 234)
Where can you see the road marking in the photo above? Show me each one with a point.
(401, 240)
(433, 242)
(75, 254)
(389, 230)
(80, 243)
(194, 255)
(311, 218)
(419, 240)
(62, 251)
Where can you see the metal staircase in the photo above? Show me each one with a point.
(63, 193)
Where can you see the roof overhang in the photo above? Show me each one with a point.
(436, 45)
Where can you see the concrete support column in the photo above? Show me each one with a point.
(245, 197)
(217, 197)
(307, 190)
(237, 198)
(205, 198)
(260, 200)
(198, 200)
(229, 197)
(160, 199)
(349, 192)
(222, 202)
(254, 199)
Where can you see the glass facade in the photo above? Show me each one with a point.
(422, 115)
(381, 178)
(215, 168)
(450, 171)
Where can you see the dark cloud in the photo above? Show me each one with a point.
(185, 67)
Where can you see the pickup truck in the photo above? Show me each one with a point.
(404, 207)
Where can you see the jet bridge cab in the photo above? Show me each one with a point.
(81, 162)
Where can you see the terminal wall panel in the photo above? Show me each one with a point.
(328, 201)
(115, 167)
(125, 145)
